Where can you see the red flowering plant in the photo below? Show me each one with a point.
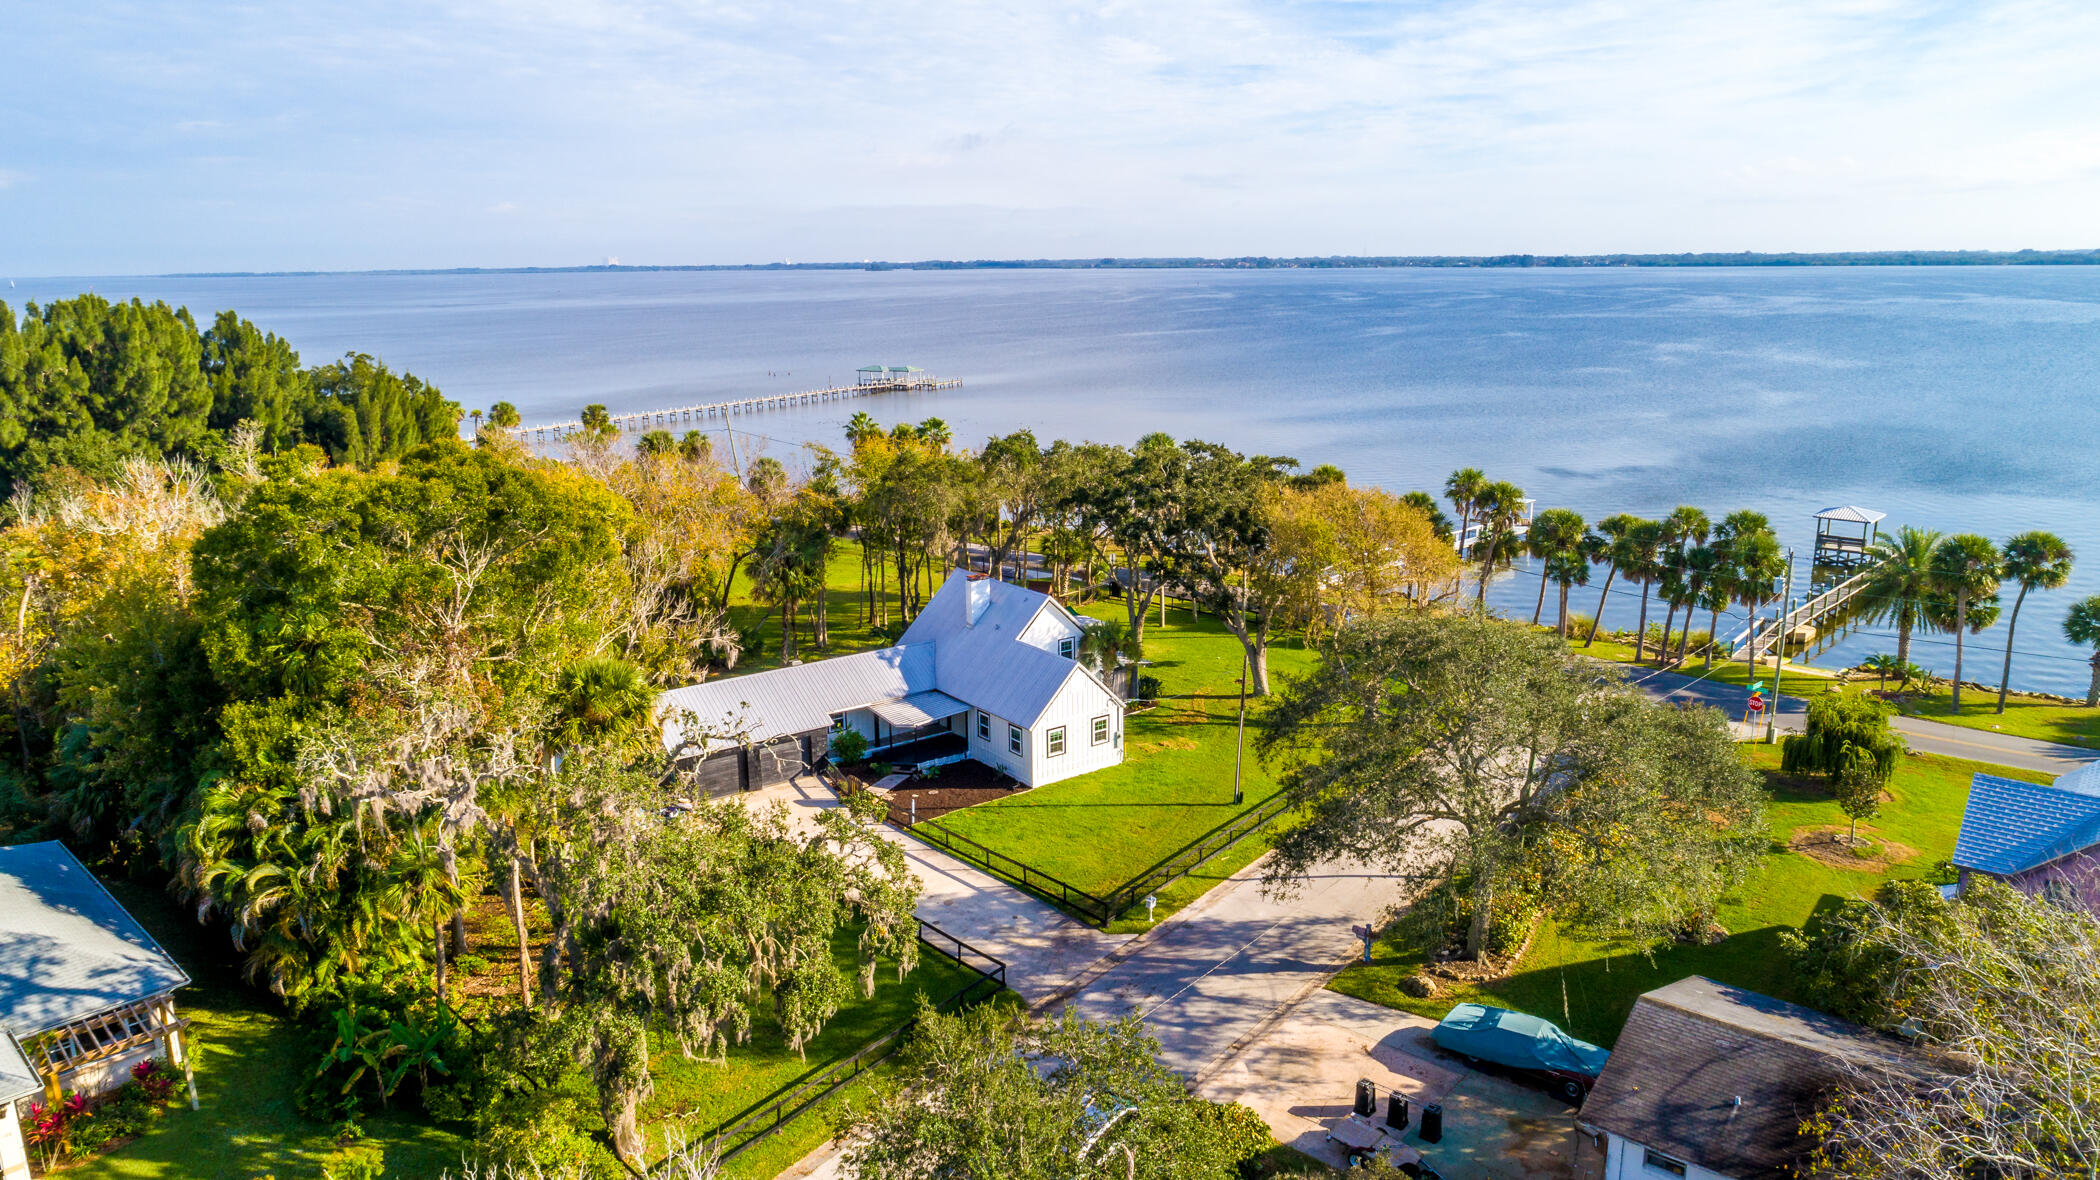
(155, 1079)
(48, 1127)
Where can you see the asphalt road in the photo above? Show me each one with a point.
(1930, 737)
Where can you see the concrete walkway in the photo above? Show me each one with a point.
(1930, 737)
(1045, 950)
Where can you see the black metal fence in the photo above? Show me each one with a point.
(1193, 857)
(754, 1125)
(1094, 908)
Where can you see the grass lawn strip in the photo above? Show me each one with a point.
(1174, 785)
(2029, 717)
(1589, 987)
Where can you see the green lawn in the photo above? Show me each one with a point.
(1590, 987)
(1174, 785)
(701, 1095)
(250, 1059)
(1796, 677)
(846, 615)
(2024, 716)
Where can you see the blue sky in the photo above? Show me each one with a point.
(148, 137)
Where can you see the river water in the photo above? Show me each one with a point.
(1961, 399)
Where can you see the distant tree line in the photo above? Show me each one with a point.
(86, 383)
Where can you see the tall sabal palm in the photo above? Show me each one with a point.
(1900, 588)
(2036, 560)
(1964, 567)
(1639, 560)
(1498, 508)
(862, 427)
(1553, 534)
(1568, 568)
(1609, 547)
(1756, 565)
(1702, 581)
(1463, 490)
(2082, 627)
(1684, 528)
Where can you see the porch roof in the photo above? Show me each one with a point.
(67, 949)
(17, 1078)
(920, 708)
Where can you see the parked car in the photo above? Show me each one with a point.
(1525, 1043)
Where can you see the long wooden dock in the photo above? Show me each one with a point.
(644, 419)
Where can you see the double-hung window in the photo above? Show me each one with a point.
(1054, 742)
(1101, 730)
(984, 726)
(1013, 739)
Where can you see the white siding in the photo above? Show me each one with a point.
(992, 751)
(1626, 1160)
(1074, 707)
(1049, 627)
(14, 1150)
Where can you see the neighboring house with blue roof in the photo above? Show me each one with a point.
(2042, 839)
(988, 670)
(85, 992)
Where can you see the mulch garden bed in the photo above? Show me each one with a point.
(956, 786)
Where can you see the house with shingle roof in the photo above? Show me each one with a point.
(987, 670)
(1710, 1081)
(85, 992)
(2043, 839)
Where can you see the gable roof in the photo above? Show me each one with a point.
(984, 662)
(18, 1079)
(2009, 826)
(766, 705)
(1723, 1077)
(1851, 513)
(67, 949)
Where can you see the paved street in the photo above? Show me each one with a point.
(1930, 737)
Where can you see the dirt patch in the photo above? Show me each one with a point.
(958, 785)
(1827, 845)
(1172, 744)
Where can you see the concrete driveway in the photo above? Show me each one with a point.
(1300, 1076)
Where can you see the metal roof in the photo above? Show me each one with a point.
(1852, 513)
(17, 1078)
(67, 949)
(985, 662)
(1724, 1077)
(2009, 826)
(920, 708)
(765, 705)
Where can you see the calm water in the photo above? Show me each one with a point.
(1958, 399)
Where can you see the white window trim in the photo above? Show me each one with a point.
(1054, 742)
(1014, 741)
(1068, 647)
(1100, 730)
(984, 726)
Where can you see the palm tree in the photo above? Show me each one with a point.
(1553, 533)
(1463, 490)
(1901, 585)
(2032, 559)
(504, 416)
(1498, 508)
(2082, 627)
(1704, 574)
(695, 446)
(862, 427)
(1639, 562)
(1610, 548)
(476, 416)
(657, 444)
(1685, 527)
(1568, 568)
(1755, 563)
(1964, 567)
(1882, 664)
(935, 431)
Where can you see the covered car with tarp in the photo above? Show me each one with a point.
(1521, 1041)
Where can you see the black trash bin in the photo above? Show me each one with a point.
(1432, 1128)
(1396, 1111)
(1366, 1097)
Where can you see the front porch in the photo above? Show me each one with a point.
(914, 752)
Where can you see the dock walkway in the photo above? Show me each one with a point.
(643, 419)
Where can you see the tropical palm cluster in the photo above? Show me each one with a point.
(1685, 559)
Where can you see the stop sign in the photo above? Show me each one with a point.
(1757, 703)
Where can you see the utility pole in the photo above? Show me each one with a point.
(1239, 741)
(1786, 605)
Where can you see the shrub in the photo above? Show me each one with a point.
(156, 1079)
(848, 746)
(1242, 1137)
(1148, 688)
